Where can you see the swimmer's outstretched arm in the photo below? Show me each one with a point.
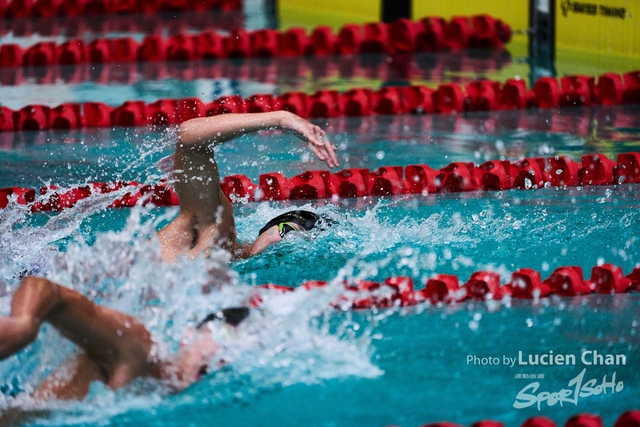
(202, 132)
(116, 343)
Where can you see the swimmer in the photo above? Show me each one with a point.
(206, 219)
(115, 348)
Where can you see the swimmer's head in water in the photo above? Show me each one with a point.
(294, 221)
(232, 316)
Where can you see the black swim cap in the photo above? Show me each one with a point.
(232, 316)
(305, 219)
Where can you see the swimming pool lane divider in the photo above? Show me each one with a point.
(449, 98)
(403, 36)
(627, 419)
(271, 70)
(43, 8)
(525, 283)
(417, 179)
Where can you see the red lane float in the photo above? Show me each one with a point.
(525, 283)
(534, 173)
(47, 8)
(351, 39)
(358, 102)
(627, 419)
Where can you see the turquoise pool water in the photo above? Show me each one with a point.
(298, 360)
(316, 365)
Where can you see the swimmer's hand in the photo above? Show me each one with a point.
(312, 134)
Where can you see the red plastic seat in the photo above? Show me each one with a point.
(485, 33)
(259, 103)
(515, 95)
(67, 116)
(526, 283)
(568, 281)
(23, 195)
(441, 288)
(433, 38)
(20, 9)
(97, 114)
(628, 167)
(130, 114)
(274, 186)
(403, 288)
(611, 89)
(389, 100)
(40, 55)
(349, 39)
(632, 91)
(609, 279)
(293, 42)
(628, 419)
(189, 108)
(124, 49)
(386, 181)
(71, 52)
(322, 41)
(578, 91)
(11, 55)
(162, 112)
(564, 171)
(153, 48)
(484, 285)
(403, 35)
(457, 176)
(227, 104)
(295, 102)
(238, 187)
(349, 183)
(32, 117)
(264, 42)
(325, 103)
(238, 44)
(493, 175)
(483, 95)
(376, 38)
(357, 102)
(547, 92)
(310, 185)
(457, 33)
(99, 51)
(584, 420)
(419, 99)
(538, 422)
(449, 98)
(529, 173)
(597, 169)
(6, 119)
(210, 45)
(420, 179)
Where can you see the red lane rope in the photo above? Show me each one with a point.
(268, 70)
(525, 283)
(417, 179)
(43, 8)
(77, 26)
(403, 36)
(626, 419)
(483, 95)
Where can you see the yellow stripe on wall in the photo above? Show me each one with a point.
(606, 27)
(335, 13)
